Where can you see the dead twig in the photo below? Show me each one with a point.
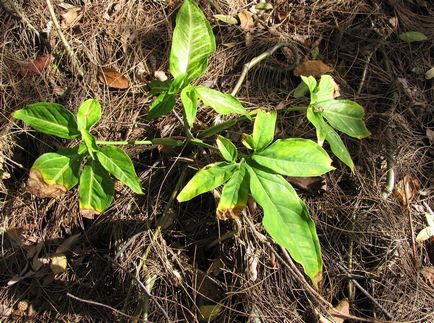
(68, 48)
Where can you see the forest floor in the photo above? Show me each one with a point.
(367, 235)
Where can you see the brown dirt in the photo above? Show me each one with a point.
(189, 268)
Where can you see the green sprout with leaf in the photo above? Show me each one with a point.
(93, 164)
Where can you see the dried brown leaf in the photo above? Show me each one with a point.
(89, 214)
(36, 185)
(312, 67)
(36, 66)
(70, 17)
(428, 273)
(246, 20)
(113, 78)
(407, 189)
(343, 308)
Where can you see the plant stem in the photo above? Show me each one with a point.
(68, 48)
(156, 141)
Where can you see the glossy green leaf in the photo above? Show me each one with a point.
(263, 129)
(119, 164)
(301, 90)
(325, 132)
(96, 189)
(286, 219)
(310, 82)
(234, 195)
(49, 118)
(207, 179)
(157, 86)
(192, 44)
(88, 114)
(54, 173)
(413, 36)
(162, 105)
(189, 103)
(227, 149)
(346, 116)
(222, 103)
(295, 157)
(324, 91)
(90, 142)
(211, 131)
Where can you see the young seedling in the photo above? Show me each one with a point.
(53, 173)
(192, 44)
(327, 113)
(259, 174)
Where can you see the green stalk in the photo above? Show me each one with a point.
(156, 141)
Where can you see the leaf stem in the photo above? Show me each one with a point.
(156, 141)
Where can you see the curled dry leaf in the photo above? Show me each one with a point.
(36, 185)
(427, 232)
(89, 214)
(428, 273)
(36, 66)
(70, 17)
(343, 308)
(230, 214)
(113, 78)
(312, 67)
(246, 20)
(407, 189)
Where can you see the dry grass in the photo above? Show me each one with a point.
(188, 267)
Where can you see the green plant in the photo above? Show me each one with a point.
(258, 173)
(192, 44)
(54, 173)
(286, 217)
(344, 115)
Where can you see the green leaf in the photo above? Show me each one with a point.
(286, 219)
(222, 103)
(49, 118)
(90, 142)
(234, 195)
(324, 91)
(96, 190)
(189, 102)
(227, 149)
(264, 6)
(54, 173)
(310, 83)
(413, 36)
(162, 105)
(295, 157)
(346, 116)
(230, 20)
(192, 44)
(247, 141)
(88, 114)
(301, 90)
(263, 129)
(119, 164)
(211, 131)
(325, 132)
(207, 179)
(157, 86)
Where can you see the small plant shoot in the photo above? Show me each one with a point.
(93, 165)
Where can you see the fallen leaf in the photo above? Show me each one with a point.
(70, 17)
(68, 243)
(430, 135)
(246, 20)
(412, 36)
(226, 19)
(343, 308)
(36, 185)
(312, 67)
(89, 214)
(264, 6)
(428, 273)
(113, 78)
(427, 232)
(36, 66)
(430, 73)
(58, 264)
(407, 189)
